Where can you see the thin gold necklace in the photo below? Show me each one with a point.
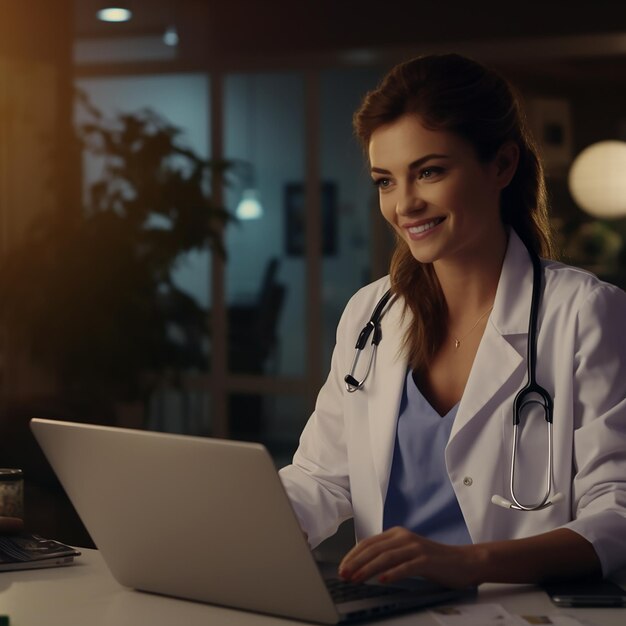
(457, 341)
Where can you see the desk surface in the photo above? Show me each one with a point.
(86, 593)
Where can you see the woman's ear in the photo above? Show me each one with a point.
(506, 161)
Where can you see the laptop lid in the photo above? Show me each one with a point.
(197, 518)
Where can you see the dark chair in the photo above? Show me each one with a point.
(252, 342)
(253, 337)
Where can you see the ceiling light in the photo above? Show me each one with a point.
(249, 207)
(114, 14)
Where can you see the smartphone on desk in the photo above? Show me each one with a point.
(586, 593)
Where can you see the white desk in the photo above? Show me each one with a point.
(85, 594)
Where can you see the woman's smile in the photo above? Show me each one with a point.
(423, 229)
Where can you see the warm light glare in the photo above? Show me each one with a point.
(249, 208)
(114, 14)
(597, 179)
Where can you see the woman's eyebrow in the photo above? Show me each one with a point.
(414, 164)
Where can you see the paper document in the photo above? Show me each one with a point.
(497, 615)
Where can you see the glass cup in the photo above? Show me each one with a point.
(11, 493)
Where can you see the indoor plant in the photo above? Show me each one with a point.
(89, 290)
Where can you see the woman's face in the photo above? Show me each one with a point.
(435, 192)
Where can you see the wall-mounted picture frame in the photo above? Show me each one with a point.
(295, 218)
(550, 122)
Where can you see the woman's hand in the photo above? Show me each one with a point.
(398, 553)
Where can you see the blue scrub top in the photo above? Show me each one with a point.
(420, 496)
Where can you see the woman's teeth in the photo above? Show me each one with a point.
(416, 230)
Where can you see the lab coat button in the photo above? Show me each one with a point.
(467, 481)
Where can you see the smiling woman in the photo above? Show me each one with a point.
(416, 453)
(448, 191)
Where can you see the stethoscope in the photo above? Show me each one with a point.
(531, 394)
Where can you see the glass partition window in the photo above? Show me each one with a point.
(159, 125)
(265, 267)
(275, 420)
(357, 227)
(183, 101)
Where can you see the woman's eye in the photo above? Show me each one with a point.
(382, 183)
(430, 172)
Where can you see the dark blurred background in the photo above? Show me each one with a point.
(184, 211)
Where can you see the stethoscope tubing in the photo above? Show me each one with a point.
(527, 395)
(544, 502)
(352, 384)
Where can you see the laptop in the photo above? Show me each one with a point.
(207, 520)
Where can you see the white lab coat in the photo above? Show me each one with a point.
(342, 466)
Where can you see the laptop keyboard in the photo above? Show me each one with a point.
(343, 591)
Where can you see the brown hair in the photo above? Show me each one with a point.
(453, 93)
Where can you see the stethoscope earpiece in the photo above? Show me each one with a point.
(557, 497)
(501, 501)
(507, 504)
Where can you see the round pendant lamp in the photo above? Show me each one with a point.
(597, 179)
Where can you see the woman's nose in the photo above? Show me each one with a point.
(410, 201)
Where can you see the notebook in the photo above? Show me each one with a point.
(206, 520)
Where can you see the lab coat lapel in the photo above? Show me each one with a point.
(389, 374)
(497, 359)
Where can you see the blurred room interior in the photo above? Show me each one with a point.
(184, 211)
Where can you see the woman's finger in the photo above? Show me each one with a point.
(405, 569)
(387, 561)
(364, 552)
(357, 564)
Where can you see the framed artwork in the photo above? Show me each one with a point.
(295, 218)
(551, 126)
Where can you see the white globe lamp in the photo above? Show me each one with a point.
(597, 179)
